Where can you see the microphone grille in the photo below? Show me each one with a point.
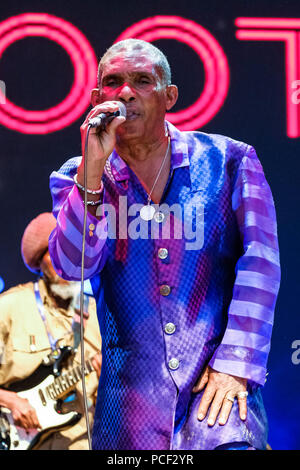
(122, 109)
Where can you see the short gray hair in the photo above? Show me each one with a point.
(159, 59)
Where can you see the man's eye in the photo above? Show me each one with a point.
(110, 82)
(144, 80)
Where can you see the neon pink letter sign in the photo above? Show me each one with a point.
(279, 29)
(85, 73)
(150, 29)
(85, 68)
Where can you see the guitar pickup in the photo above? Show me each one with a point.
(42, 397)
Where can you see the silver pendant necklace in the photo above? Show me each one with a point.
(147, 212)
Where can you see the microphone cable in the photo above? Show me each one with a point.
(86, 411)
(92, 123)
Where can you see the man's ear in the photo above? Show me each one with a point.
(171, 96)
(95, 97)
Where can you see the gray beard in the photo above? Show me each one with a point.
(66, 291)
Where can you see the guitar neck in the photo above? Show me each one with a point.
(68, 380)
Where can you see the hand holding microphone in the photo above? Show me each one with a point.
(102, 119)
(100, 125)
(102, 122)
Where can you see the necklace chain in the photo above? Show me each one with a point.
(159, 172)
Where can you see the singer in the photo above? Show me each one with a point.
(186, 332)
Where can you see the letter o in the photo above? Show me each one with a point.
(85, 73)
(209, 51)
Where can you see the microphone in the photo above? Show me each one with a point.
(105, 118)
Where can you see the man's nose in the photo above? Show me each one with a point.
(126, 93)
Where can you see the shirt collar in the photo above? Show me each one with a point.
(179, 155)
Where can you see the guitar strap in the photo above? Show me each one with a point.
(75, 321)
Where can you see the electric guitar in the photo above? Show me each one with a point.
(44, 389)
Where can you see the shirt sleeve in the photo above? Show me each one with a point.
(245, 345)
(65, 242)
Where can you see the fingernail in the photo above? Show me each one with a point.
(210, 422)
(222, 422)
(200, 416)
(243, 417)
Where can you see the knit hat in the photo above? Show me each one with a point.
(35, 240)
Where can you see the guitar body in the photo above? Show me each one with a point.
(41, 390)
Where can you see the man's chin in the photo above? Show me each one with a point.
(131, 129)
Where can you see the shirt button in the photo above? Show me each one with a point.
(165, 290)
(173, 364)
(170, 328)
(159, 217)
(91, 227)
(163, 253)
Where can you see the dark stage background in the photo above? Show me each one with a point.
(38, 74)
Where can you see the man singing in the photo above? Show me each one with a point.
(185, 326)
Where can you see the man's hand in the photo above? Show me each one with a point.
(97, 363)
(100, 144)
(219, 394)
(23, 413)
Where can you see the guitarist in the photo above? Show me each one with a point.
(36, 319)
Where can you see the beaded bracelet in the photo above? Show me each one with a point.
(89, 191)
